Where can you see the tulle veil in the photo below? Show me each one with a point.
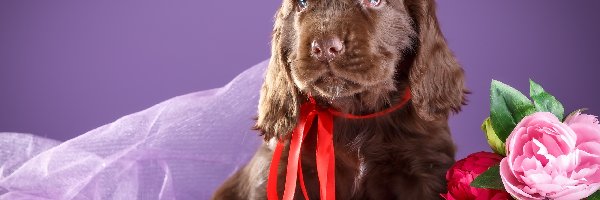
(182, 148)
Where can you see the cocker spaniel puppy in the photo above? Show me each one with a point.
(357, 57)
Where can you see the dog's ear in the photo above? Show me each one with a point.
(436, 78)
(278, 107)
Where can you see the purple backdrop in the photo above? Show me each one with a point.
(68, 66)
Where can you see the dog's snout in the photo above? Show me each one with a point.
(327, 49)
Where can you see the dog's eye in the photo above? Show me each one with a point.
(372, 3)
(302, 3)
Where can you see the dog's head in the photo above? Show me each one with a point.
(357, 56)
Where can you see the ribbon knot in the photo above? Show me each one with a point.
(325, 156)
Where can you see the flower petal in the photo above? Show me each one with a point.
(576, 192)
(510, 182)
(582, 118)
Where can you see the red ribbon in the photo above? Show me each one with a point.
(325, 151)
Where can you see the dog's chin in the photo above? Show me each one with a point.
(332, 87)
(342, 93)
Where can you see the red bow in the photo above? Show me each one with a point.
(325, 155)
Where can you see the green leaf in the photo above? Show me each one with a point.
(595, 196)
(508, 107)
(545, 102)
(489, 179)
(495, 143)
(534, 88)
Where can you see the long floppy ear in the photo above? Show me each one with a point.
(436, 78)
(278, 107)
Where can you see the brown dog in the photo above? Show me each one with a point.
(357, 56)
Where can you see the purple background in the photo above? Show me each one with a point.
(69, 66)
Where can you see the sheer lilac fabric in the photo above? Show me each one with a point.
(182, 148)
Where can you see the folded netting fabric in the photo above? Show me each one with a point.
(182, 148)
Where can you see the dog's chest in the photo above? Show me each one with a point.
(350, 164)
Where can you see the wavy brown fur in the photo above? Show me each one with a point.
(403, 155)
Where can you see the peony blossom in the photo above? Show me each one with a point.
(465, 171)
(549, 159)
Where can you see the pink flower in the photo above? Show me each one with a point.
(464, 171)
(550, 159)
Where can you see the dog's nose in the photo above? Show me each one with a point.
(327, 49)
